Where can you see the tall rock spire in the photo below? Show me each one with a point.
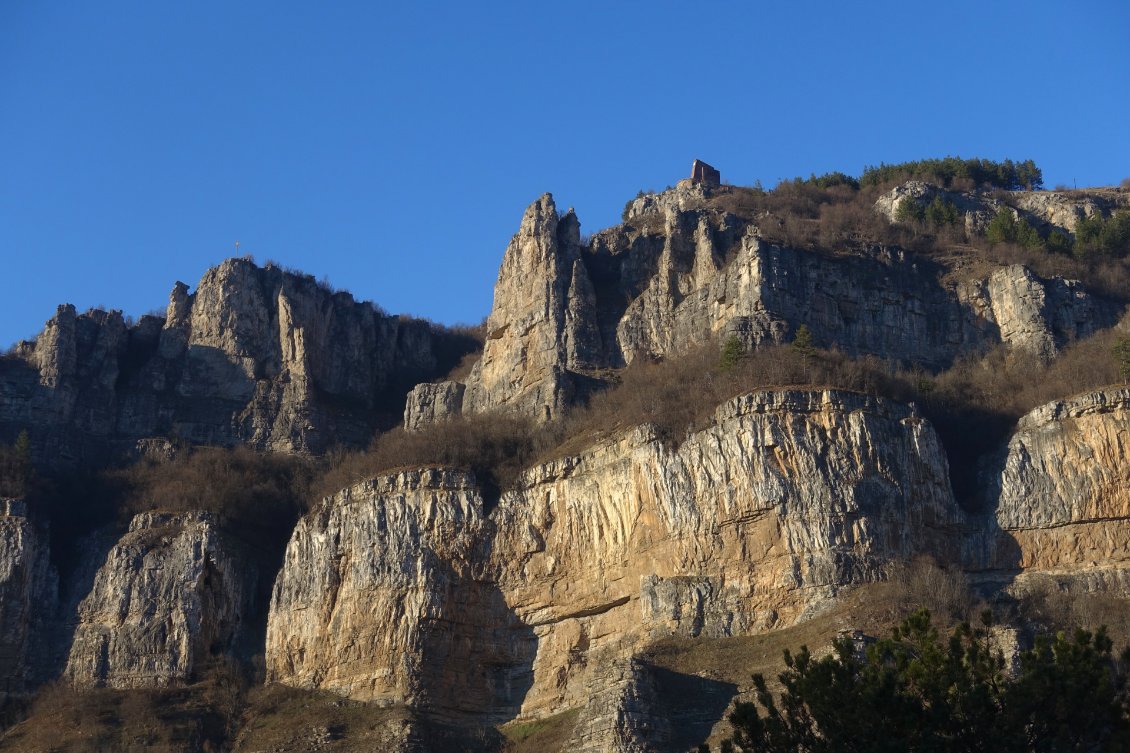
(538, 320)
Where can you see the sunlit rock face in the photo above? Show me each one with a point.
(414, 588)
(168, 597)
(383, 597)
(1062, 491)
(682, 271)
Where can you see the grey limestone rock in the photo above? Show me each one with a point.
(28, 589)
(168, 596)
(432, 403)
(683, 272)
(255, 355)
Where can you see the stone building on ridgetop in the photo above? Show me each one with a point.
(705, 174)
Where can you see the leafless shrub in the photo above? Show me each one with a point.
(924, 583)
(495, 447)
(1053, 604)
(239, 484)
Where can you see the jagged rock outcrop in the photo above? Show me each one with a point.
(526, 356)
(751, 523)
(1060, 209)
(254, 356)
(1062, 490)
(682, 272)
(168, 597)
(28, 589)
(381, 598)
(1041, 209)
(620, 715)
(977, 210)
(1034, 315)
(684, 196)
(432, 403)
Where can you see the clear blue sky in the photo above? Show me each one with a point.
(393, 147)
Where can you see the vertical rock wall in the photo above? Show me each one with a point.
(405, 589)
(682, 272)
(28, 588)
(254, 356)
(167, 599)
(1063, 491)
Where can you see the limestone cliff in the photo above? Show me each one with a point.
(27, 591)
(1046, 210)
(682, 271)
(532, 338)
(167, 598)
(1063, 490)
(976, 210)
(382, 598)
(752, 523)
(254, 356)
(426, 591)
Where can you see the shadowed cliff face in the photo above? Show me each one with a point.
(28, 588)
(169, 597)
(255, 356)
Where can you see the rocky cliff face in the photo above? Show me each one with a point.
(1061, 209)
(168, 597)
(681, 272)
(1063, 490)
(382, 598)
(976, 210)
(752, 523)
(1041, 209)
(27, 584)
(536, 330)
(426, 592)
(255, 356)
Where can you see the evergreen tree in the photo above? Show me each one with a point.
(1121, 351)
(732, 353)
(941, 212)
(917, 693)
(1002, 228)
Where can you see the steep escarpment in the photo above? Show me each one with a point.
(254, 356)
(683, 269)
(169, 597)
(382, 597)
(422, 596)
(1063, 490)
(538, 329)
(27, 584)
(752, 523)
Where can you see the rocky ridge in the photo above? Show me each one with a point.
(681, 271)
(254, 356)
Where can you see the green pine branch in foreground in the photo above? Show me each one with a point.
(917, 691)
